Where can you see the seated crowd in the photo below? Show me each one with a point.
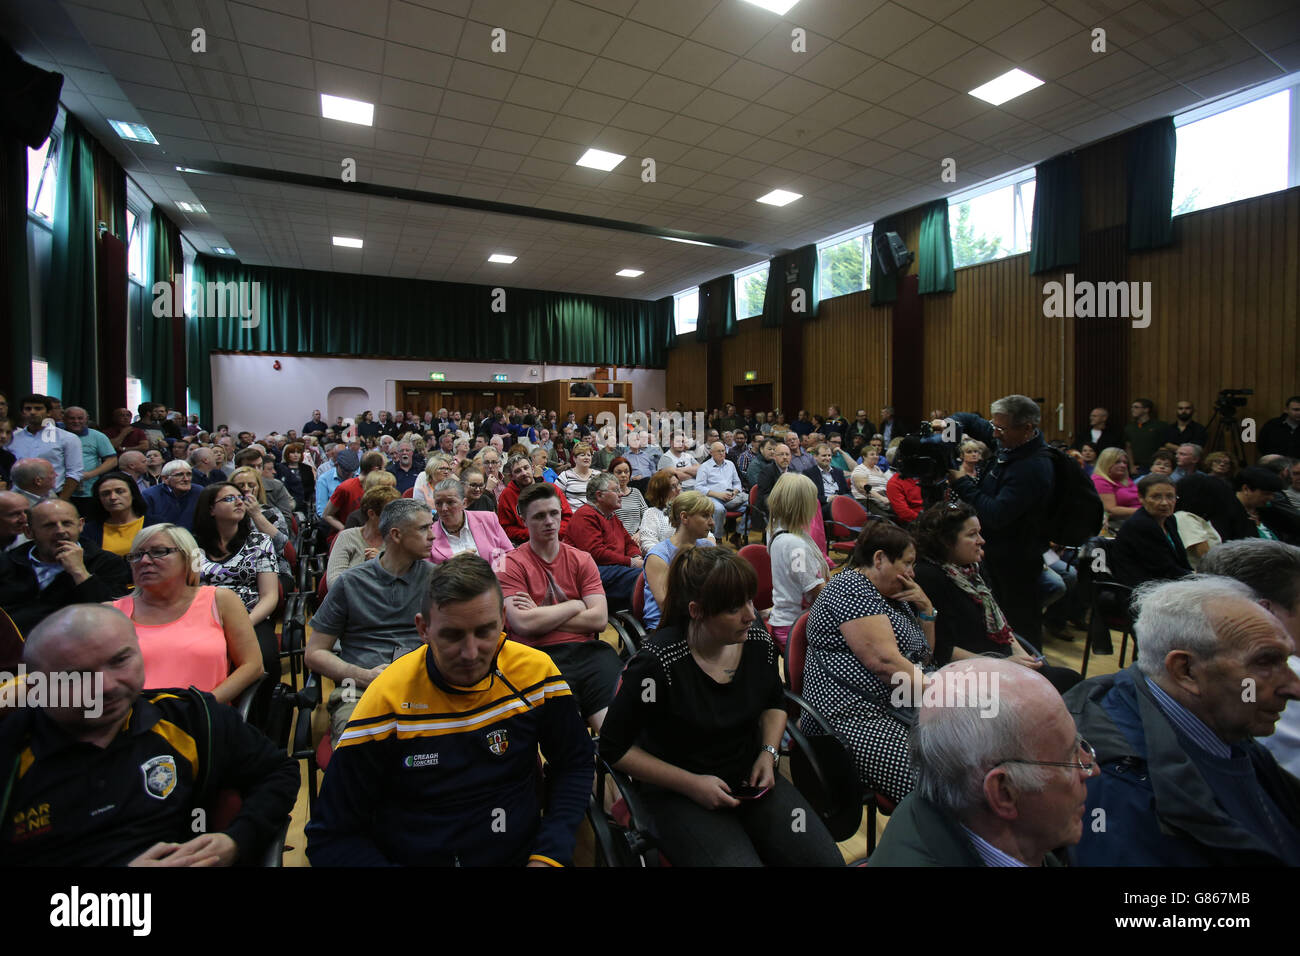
(471, 563)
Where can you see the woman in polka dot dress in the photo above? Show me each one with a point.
(871, 636)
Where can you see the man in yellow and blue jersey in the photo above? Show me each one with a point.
(439, 763)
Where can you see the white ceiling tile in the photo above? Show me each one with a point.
(480, 80)
(697, 63)
(793, 95)
(592, 107)
(932, 49)
(269, 29)
(1241, 76)
(919, 97)
(665, 93)
(714, 107)
(464, 106)
(641, 46)
(569, 129)
(459, 131)
(368, 18)
(835, 66)
(734, 27)
(777, 49)
(643, 119)
(511, 16)
(579, 27)
(556, 63)
(982, 19)
(1097, 76)
(615, 79)
(416, 65)
(973, 69)
(1036, 33)
(679, 17)
(407, 96)
(885, 30)
(349, 49)
(263, 64)
(758, 119)
(420, 27)
(521, 119)
(538, 94)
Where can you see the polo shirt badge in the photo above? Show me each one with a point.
(159, 776)
(498, 741)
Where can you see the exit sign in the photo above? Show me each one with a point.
(500, 377)
(751, 376)
(437, 376)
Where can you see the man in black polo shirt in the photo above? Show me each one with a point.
(117, 776)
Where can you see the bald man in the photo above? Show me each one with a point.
(13, 520)
(108, 775)
(1000, 772)
(56, 569)
(1183, 782)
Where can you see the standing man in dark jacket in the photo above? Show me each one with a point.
(1281, 435)
(1011, 499)
(56, 569)
(1183, 781)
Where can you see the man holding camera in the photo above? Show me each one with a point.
(1011, 499)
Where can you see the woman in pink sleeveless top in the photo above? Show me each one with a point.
(189, 635)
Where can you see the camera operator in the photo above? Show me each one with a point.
(1011, 500)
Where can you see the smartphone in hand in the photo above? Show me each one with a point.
(743, 791)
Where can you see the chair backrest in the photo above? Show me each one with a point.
(846, 514)
(753, 497)
(796, 651)
(638, 597)
(321, 589)
(291, 555)
(758, 557)
(409, 492)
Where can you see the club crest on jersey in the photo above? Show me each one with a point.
(498, 741)
(159, 776)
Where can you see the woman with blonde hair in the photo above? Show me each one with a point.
(440, 466)
(190, 634)
(686, 515)
(799, 570)
(1118, 492)
(355, 546)
(573, 482)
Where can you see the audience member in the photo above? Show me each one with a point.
(975, 806)
(355, 546)
(98, 456)
(631, 505)
(870, 642)
(182, 748)
(191, 634)
(555, 601)
(691, 516)
(572, 483)
(13, 520)
(718, 480)
(1115, 487)
(905, 499)
(1281, 435)
(1188, 457)
(596, 530)
(713, 725)
(369, 610)
(1255, 515)
(1148, 547)
(439, 467)
(374, 811)
(37, 439)
(173, 501)
(123, 435)
(1220, 465)
(116, 513)
(799, 569)
(1204, 506)
(682, 461)
(1183, 429)
(1099, 433)
(660, 492)
(1183, 782)
(298, 476)
(347, 496)
(55, 569)
(1143, 435)
(33, 478)
(457, 529)
(254, 457)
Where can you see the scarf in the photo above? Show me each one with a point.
(968, 579)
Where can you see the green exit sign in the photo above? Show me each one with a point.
(751, 376)
(437, 376)
(500, 377)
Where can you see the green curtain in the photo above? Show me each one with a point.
(667, 321)
(158, 375)
(934, 258)
(299, 312)
(15, 304)
(794, 270)
(1152, 150)
(717, 315)
(71, 305)
(884, 288)
(1058, 214)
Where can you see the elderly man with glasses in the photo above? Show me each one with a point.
(1183, 780)
(1001, 772)
(172, 501)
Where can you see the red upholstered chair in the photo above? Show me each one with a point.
(409, 492)
(848, 518)
(761, 561)
(628, 624)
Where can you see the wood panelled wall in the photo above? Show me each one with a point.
(752, 349)
(1226, 309)
(990, 338)
(846, 357)
(685, 381)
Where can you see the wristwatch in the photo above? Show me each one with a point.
(776, 755)
(934, 612)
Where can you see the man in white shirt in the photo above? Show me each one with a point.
(717, 478)
(682, 462)
(40, 437)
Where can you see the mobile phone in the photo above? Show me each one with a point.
(743, 791)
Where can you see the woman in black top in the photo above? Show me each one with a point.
(970, 622)
(700, 714)
(1148, 546)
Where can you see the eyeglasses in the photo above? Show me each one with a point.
(154, 554)
(477, 485)
(229, 499)
(1079, 744)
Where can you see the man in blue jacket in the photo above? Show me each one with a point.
(1183, 781)
(1011, 498)
(439, 766)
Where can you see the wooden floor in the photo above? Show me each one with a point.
(1062, 653)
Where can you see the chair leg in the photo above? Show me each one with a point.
(1123, 646)
(1087, 651)
(871, 826)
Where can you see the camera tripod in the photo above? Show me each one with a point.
(1225, 435)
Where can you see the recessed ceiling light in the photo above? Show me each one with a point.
(689, 242)
(1006, 87)
(630, 273)
(191, 207)
(780, 197)
(189, 169)
(135, 132)
(599, 159)
(347, 241)
(349, 111)
(502, 258)
(779, 7)
(223, 251)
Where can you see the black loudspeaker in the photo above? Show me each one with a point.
(29, 98)
(891, 253)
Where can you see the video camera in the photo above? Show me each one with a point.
(926, 461)
(1230, 399)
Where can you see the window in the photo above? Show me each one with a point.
(844, 263)
(42, 166)
(751, 286)
(686, 309)
(133, 393)
(994, 222)
(1235, 153)
(135, 246)
(40, 376)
